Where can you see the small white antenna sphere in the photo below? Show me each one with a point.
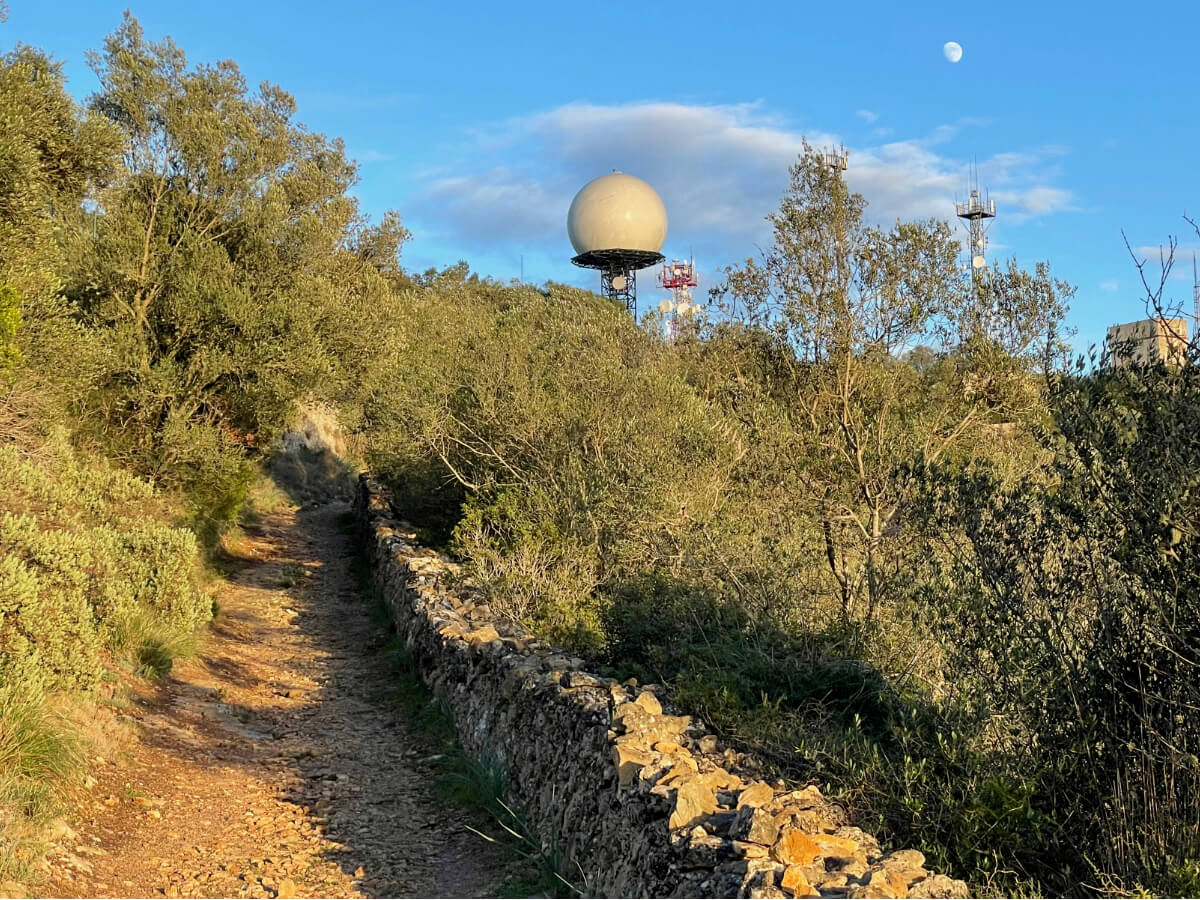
(978, 262)
(664, 306)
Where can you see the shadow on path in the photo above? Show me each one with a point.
(278, 762)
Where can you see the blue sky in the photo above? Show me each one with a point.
(479, 121)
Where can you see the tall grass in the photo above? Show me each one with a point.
(40, 759)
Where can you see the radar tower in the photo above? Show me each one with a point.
(617, 224)
(977, 212)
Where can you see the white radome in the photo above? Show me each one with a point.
(617, 212)
(953, 51)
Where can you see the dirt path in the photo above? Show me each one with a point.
(277, 763)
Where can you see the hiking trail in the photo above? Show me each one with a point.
(277, 761)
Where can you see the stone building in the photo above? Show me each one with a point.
(1148, 341)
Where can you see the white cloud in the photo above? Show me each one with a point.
(720, 170)
(1040, 200)
(1109, 285)
(1155, 256)
(867, 116)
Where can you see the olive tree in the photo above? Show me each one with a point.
(847, 300)
(227, 266)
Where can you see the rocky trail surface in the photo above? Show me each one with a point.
(277, 762)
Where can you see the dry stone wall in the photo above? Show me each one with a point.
(637, 800)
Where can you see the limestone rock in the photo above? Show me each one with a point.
(751, 851)
(884, 885)
(755, 825)
(866, 843)
(828, 881)
(706, 851)
(757, 794)
(794, 847)
(484, 635)
(908, 865)
(795, 882)
(854, 868)
(629, 762)
(939, 886)
(649, 702)
(721, 822)
(760, 879)
(707, 743)
(833, 847)
(806, 798)
(692, 803)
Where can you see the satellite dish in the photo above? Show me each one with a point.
(978, 262)
(619, 283)
(664, 306)
(979, 243)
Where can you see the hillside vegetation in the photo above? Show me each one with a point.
(180, 266)
(866, 519)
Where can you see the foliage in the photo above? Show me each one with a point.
(229, 275)
(1069, 612)
(708, 512)
(847, 521)
(10, 321)
(39, 761)
(90, 576)
(48, 157)
(579, 450)
(844, 299)
(88, 570)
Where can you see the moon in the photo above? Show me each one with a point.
(953, 51)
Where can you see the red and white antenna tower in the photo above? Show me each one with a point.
(679, 278)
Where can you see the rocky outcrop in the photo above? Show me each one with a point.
(638, 801)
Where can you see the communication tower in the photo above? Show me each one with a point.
(977, 212)
(617, 224)
(838, 160)
(679, 278)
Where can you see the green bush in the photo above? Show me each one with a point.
(89, 569)
(10, 321)
(1068, 607)
(579, 452)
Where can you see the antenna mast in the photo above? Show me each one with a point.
(838, 160)
(977, 212)
(679, 278)
(1195, 296)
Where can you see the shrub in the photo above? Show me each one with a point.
(89, 569)
(1069, 612)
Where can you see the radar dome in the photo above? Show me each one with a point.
(617, 212)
